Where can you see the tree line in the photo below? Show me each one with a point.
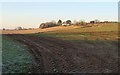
(65, 23)
(69, 22)
(61, 23)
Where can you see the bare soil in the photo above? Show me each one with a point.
(56, 55)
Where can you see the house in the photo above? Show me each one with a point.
(92, 21)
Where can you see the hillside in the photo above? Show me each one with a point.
(71, 49)
(91, 28)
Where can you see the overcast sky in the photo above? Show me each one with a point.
(31, 14)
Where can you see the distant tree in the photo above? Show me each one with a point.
(47, 24)
(19, 28)
(59, 22)
(42, 25)
(24, 28)
(106, 21)
(97, 21)
(53, 21)
(30, 28)
(82, 22)
(68, 22)
(77, 23)
(74, 22)
(50, 24)
(3, 28)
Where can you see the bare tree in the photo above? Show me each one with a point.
(59, 22)
(68, 22)
(82, 22)
(42, 25)
(18, 28)
(53, 21)
(97, 21)
(3, 28)
(74, 22)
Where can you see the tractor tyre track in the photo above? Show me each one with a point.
(54, 55)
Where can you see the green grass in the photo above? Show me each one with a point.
(102, 32)
(81, 35)
(95, 28)
(104, 37)
(15, 57)
(100, 28)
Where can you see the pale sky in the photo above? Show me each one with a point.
(31, 14)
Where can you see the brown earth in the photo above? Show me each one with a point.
(37, 30)
(55, 55)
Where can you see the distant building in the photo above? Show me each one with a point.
(92, 21)
(95, 21)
